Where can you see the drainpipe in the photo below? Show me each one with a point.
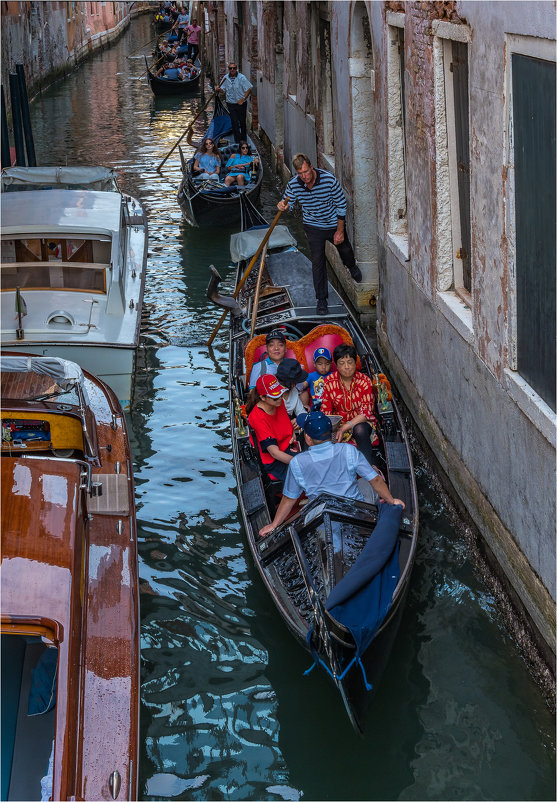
(6, 158)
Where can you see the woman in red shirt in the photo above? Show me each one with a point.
(273, 429)
(349, 393)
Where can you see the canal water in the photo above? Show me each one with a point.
(226, 712)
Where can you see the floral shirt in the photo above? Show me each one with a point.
(359, 400)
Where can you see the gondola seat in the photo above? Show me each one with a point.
(328, 335)
(256, 347)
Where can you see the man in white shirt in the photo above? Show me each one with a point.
(325, 468)
(237, 89)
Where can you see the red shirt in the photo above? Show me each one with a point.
(358, 400)
(271, 430)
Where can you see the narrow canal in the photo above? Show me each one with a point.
(226, 713)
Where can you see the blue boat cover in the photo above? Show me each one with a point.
(220, 125)
(362, 598)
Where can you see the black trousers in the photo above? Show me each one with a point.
(362, 435)
(193, 50)
(238, 119)
(317, 237)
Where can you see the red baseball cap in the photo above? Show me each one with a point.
(269, 385)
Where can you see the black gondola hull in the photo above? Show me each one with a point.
(327, 521)
(164, 87)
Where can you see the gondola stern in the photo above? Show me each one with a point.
(225, 301)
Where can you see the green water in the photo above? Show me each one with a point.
(226, 713)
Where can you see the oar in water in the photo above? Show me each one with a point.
(247, 271)
(189, 129)
(147, 43)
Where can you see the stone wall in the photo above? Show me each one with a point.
(49, 39)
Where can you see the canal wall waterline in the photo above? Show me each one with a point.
(50, 44)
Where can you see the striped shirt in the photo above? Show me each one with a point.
(322, 205)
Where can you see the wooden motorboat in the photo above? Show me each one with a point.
(311, 562)
(209, 202)
(170, 86)
(73, 269)
(69, 586)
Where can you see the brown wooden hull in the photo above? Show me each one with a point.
(69, 565)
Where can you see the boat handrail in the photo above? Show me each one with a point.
(74, 461)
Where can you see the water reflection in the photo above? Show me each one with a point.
(226, 713)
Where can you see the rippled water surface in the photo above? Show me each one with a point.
(226, 713)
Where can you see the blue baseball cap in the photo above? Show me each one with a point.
(315, 424)
(324, 352)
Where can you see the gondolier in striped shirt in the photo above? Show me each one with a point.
(323, 204)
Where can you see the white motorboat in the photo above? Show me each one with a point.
(74, 251)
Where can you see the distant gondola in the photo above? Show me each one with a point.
(206, 203)
(339, 570)
(170, 86)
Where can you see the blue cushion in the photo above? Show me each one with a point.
(42, 696)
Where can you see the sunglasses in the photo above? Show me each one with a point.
(244, 147)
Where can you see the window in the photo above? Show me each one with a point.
(396, 143)
(452, 134)
(533, 143)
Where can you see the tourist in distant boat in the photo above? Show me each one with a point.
(236, 89)
(238, 166)
(273, 429)
(323, 204)
(208, 160)
(193, 31)
(350, 394)
(325, 467)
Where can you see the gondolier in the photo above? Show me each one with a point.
(236, 89)
(325, 468)
(320, 195)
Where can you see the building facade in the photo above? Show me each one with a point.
(438, 118)
(49, 39)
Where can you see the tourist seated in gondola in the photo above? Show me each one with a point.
(272, 426)
(239, 165)
(350, 394)
(292, 375)
(208, 161)
(190, 69)
(316, 379)
(275, 342)
(169, 71)
(326, 467)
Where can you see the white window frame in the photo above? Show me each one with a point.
(397, 221)
(531, 404)
(452, 297)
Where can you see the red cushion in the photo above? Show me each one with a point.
(329, 341)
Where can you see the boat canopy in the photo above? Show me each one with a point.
(65, 373)
(102, 179)
(245, 244)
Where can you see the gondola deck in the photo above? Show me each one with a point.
(305, 559)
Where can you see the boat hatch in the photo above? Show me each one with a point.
(29, 690)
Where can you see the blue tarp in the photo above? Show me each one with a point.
(362, 598)
(220, 125)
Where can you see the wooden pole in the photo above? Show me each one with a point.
(257, 290)
(247, 271)
(189, 129)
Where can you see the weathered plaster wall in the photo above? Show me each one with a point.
(451, 362)
(49, 43)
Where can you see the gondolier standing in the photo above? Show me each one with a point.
(236, 89)
(320, 195)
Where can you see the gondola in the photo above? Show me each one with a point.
(207, 203)
(339, 570)
(168, 86)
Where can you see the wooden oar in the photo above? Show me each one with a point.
(152, 67)
(148, 43)
(189, 129)
(247, 271)
(257, 290)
